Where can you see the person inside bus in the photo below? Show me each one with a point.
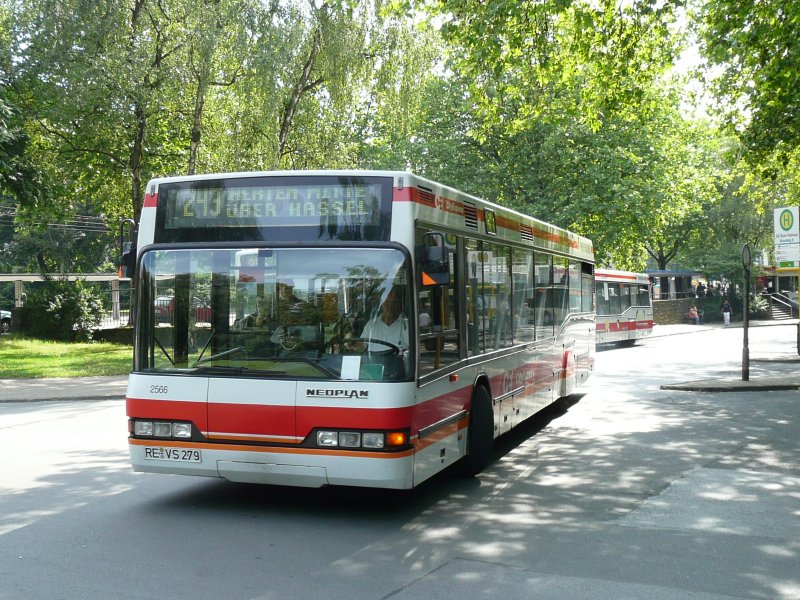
(425, 322)
(389, 325)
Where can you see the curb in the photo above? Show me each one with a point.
(730, 386)
(63, 399)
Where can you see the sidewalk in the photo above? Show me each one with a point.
(63, 388)
(778, 369)
(772, 369)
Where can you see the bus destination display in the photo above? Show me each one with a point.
(356, 204)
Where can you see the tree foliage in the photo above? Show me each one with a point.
(756, 44)
(62, 310)
(537, 58)
(558, 108)
(115, 93)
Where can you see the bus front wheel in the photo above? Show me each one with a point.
(480, 435)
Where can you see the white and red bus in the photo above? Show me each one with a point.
(624, 307)
(269, 367)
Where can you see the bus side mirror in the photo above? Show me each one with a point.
(127, 261)
(127, 250)
(434, 260)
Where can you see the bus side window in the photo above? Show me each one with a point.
(497, 295)
(574, 287)
(524, 302)
(543, 295)
(476, 309)
(625, 297)
(615, 308)
(560, 291)
(439, 343)
(587, 287)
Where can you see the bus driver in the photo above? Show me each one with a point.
(388, 325)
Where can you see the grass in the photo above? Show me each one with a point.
(22, 357)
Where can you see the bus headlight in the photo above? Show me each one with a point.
(372, 440)
(363, 440)
(182, 430)
(144, 428)
(349, 439)
(327, 438)
(161, 429)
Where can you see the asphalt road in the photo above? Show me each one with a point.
(635, 492)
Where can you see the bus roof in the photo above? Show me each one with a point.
(533, 226)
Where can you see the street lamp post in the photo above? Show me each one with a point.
(746, 313)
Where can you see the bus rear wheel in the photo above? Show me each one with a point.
(480, 435)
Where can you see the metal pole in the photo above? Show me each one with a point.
(746, 324)
(746, 315)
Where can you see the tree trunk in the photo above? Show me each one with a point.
(194, 141)
(302, 86)
(136, 161)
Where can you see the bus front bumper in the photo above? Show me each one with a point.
(274, 466)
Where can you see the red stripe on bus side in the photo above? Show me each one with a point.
(403, 195)
(603, 276)
(286, 422)
(613, 326)
(289, 423)
(441, 407)
(411, 194)
(150, 201)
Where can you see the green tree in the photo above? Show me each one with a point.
(528, 58)
(115, 93)
(756, 45)
(561, 110)
(744, 215)
(62, 310)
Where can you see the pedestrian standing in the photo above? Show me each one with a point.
(726, 311)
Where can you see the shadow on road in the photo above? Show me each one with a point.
(352, 503)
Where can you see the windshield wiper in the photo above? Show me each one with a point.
(211, 337)
(312, 363)
(169, 358)
(222, 369)
(219, 355)
(211, 369)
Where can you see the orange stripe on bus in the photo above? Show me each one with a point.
(440, 434)
(269, 449)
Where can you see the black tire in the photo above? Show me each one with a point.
(480, 435)
(5, 326)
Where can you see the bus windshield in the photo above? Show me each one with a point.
(322, 313)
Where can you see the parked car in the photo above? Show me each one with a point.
(5, 321)
(165, 305)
